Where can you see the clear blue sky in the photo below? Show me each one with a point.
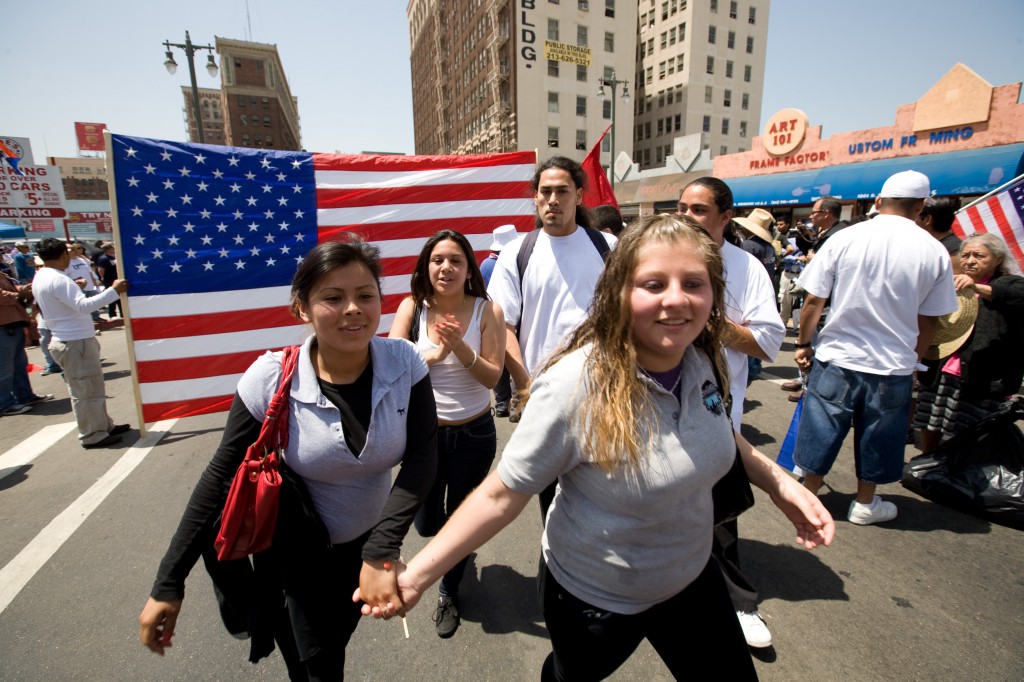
(847, 64)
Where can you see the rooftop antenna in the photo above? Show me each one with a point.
(248, 20)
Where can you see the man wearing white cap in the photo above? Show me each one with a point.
(889, 281)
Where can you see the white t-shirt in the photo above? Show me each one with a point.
(881, 274)
(65, 307)
(80, 268)
(750, 303)
(558, 286)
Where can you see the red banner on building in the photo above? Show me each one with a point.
(90, 136)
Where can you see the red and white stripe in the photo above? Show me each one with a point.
(996, 215)
(191, 349)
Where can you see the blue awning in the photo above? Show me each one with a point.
(976, 171)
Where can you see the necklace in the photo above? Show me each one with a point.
(669, 380)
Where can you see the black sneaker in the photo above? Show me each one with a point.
(109, 440)
(446, 617)
(500, 409)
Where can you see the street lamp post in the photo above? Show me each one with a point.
(614, 84)
(211, 68)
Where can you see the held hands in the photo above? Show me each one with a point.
(410, 595)
(378, 590)
(804, 358)
(156, 624)
(814, 525)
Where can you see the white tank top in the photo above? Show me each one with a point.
(457, 394)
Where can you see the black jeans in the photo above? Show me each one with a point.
(695, 628)
(464, 456)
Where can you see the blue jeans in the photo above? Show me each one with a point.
(464, 456)
(875, 405)
(45, 335)
(14, 383)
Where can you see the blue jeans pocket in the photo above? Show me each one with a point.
(830, 384)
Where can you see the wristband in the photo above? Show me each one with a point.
(473, 361)
(803, 345)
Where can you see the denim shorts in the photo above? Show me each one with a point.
(877, 406)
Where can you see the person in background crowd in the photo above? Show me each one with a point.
(825, 219)
(24, 262)
(629, 418)
(608, 219)
(757, 227)
(754, 328)
(987, 364)
(80, 270)
(889, 282)
(502, 236)
(74, 345)
(937, 220)
(461, 335)
(16, 394)
(106, 266)
(359, 405)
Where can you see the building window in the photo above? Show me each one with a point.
(746, 73)
(661, 70)
(709, 93)
(241, 101)
(664, 39)
(728, 68)
(661, 128)
(553, 102)
(682, 31)
(679, 62)
(745, 102)
(659, 157)
(711, 64)
(750, 45)
(723, 150)
(609, 8)
(672, 36)
(731, 40)
(743, 128)
(583, 5)
(727, 99)
(581, 36)
(552, 137)
(752, 17)
(664, 11)
(581, 139)
(647, 130)
(581, 73)
(606, 108)
(553, 29)
(581, 105)
(661, 98)
(649, 75)
(733, 10)
(707, 124)
(714, 6)
(679, 122)
(266, 121)
(609, 41)
(670, 93)
(725, 126)
(553, 68)
(711, 34)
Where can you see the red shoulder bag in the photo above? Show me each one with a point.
(250, 511)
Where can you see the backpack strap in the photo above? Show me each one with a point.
(414, 328)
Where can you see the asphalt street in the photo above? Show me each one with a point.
(933, 595)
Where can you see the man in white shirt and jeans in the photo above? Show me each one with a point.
(889, 281)
(74, 346)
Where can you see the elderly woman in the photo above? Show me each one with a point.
(973, 381)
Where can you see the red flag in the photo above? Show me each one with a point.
(599, 191)
(210, 238)
(1002, 215)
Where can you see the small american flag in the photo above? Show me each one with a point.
(210, 237)
(1002, 214)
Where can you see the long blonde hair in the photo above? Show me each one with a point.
(617, 410)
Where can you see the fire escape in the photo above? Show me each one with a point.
(501, 120)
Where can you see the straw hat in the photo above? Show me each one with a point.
(954, 328)
(758, 223)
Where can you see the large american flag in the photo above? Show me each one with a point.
(209, 238)
(1002, 214)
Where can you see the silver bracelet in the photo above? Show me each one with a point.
(473, 362)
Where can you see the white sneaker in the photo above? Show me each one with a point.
(879, 511)
(754, 630)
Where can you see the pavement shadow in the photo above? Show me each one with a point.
(116, 374)
(185, 435)
(914, 515)
(790, 573)
(12, 476)
(757, 437)
(501, 599)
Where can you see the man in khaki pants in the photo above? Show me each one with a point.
(74, 346)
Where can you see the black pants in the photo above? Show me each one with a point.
(693, 629)
(503, 390)
(725, 552)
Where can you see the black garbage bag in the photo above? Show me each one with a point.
(980, 471)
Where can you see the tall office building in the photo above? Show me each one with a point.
(254, 106)
(700, 68)
(502, 75)
(498, 75)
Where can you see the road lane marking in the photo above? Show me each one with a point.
(16, 574)
(33, 446)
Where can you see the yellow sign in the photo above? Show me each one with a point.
(560, 52)
(784, 131)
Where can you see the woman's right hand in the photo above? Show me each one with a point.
(962, 281)
(156, 624)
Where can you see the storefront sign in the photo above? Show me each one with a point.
(784, 131)
(36, 194)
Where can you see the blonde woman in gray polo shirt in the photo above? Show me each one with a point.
(629, 418)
